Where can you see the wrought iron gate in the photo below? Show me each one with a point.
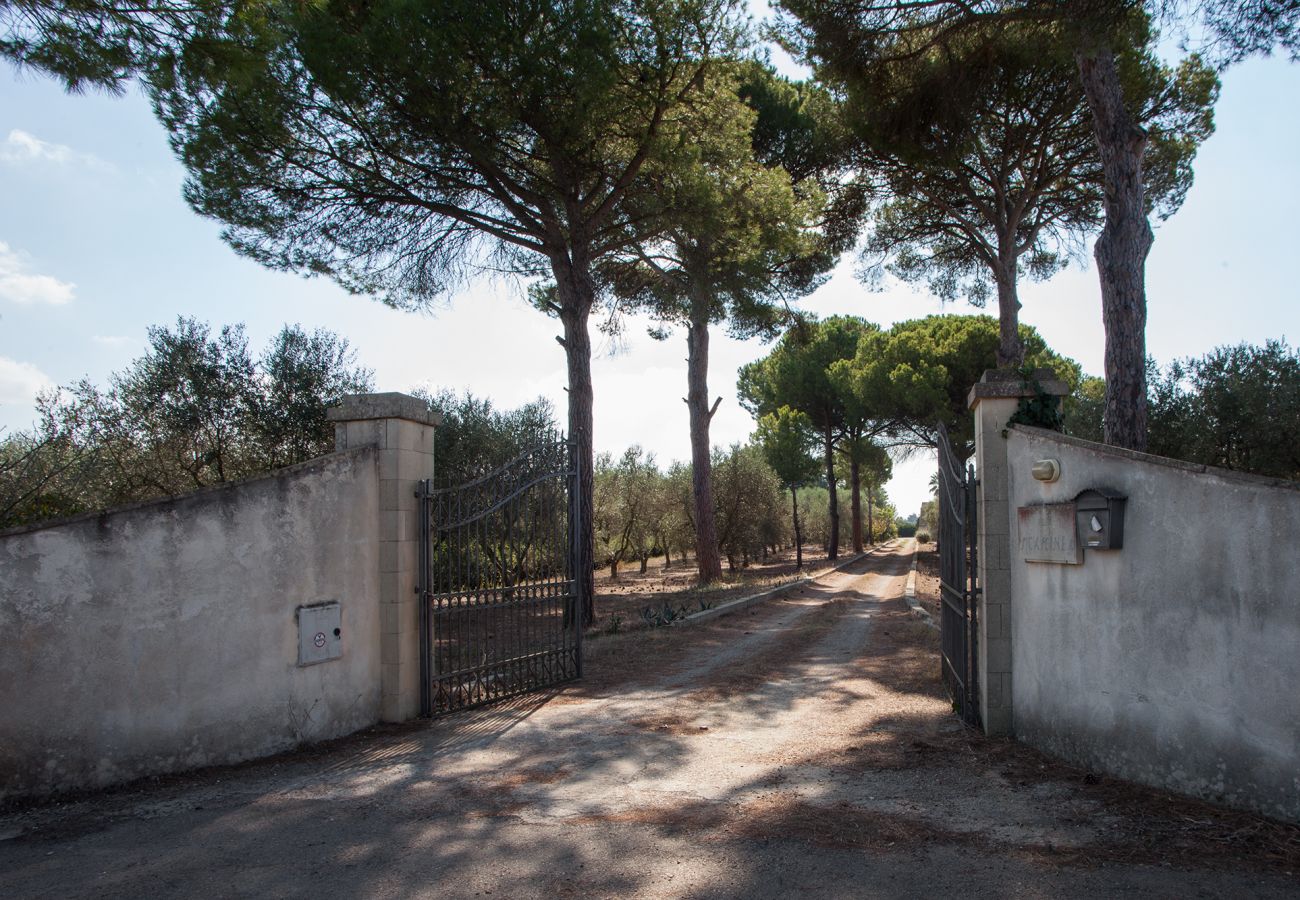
(958, 582)
(499, 611)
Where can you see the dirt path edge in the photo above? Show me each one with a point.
(732, 606)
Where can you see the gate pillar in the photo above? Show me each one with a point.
(401, 428)
(993, 401)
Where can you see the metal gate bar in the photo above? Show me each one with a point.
(499, 600)
(958, 581)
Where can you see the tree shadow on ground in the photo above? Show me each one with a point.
(630, 783)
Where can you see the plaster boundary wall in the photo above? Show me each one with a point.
(1171, 661)
(163, 636)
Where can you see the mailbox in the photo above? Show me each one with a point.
(1099, 514)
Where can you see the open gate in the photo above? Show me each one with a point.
(499, 611)
(958, 581)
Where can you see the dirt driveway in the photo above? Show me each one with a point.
(802, 747)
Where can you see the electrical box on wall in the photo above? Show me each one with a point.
(1100, 516)
(320, 633)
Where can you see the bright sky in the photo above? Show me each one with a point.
(96, 244)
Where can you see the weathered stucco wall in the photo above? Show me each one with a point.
(163, 636)
(1175, 660)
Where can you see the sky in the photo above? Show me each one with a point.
(97, 244)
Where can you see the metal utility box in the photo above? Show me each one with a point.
(1099, 514)
(320, 633)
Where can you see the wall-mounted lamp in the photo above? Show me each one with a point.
(1047, 470)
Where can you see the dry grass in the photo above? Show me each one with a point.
(624, 598)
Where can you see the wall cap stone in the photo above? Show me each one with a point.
(200, 495)
(1005, 384)
(1166, 462)
(390, 405)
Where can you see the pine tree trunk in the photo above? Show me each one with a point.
(613, 570)
(871, 521)
(833, 541)
(645, 564)
(707, 560)
(1011, 351)
(577, 292)
(1121, 250)
(855, 504)
(798, 535)
(668, 557)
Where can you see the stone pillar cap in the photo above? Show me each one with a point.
(391, 405)
(1011, 385)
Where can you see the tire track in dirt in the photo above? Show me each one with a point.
(830, 631)
(739, 654)
(815, 755)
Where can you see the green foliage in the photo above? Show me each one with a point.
(845, 39)
(666, 614)
(1236, 408)
(399, 148)
(475, 438)
(749, 512)
(1239, 28)
(904, 528)
(301, 375)
(874, 465)
(94, 42)
(922, 537)
(395, 146)
(1040, 409)
(885, 517)
(786, 439)
(195, 410)
(507, 546)
(1083, 409)
(920, 372)
(674, 521)
(738, 234)
(797, 372)
(986, 156)
(814, 515)
(624, 507)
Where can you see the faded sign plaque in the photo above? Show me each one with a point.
(1047, 534)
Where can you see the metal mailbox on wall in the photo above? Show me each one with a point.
(1100, 516)
(320, 633)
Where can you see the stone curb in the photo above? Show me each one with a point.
(740, 603)
(909, 592)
